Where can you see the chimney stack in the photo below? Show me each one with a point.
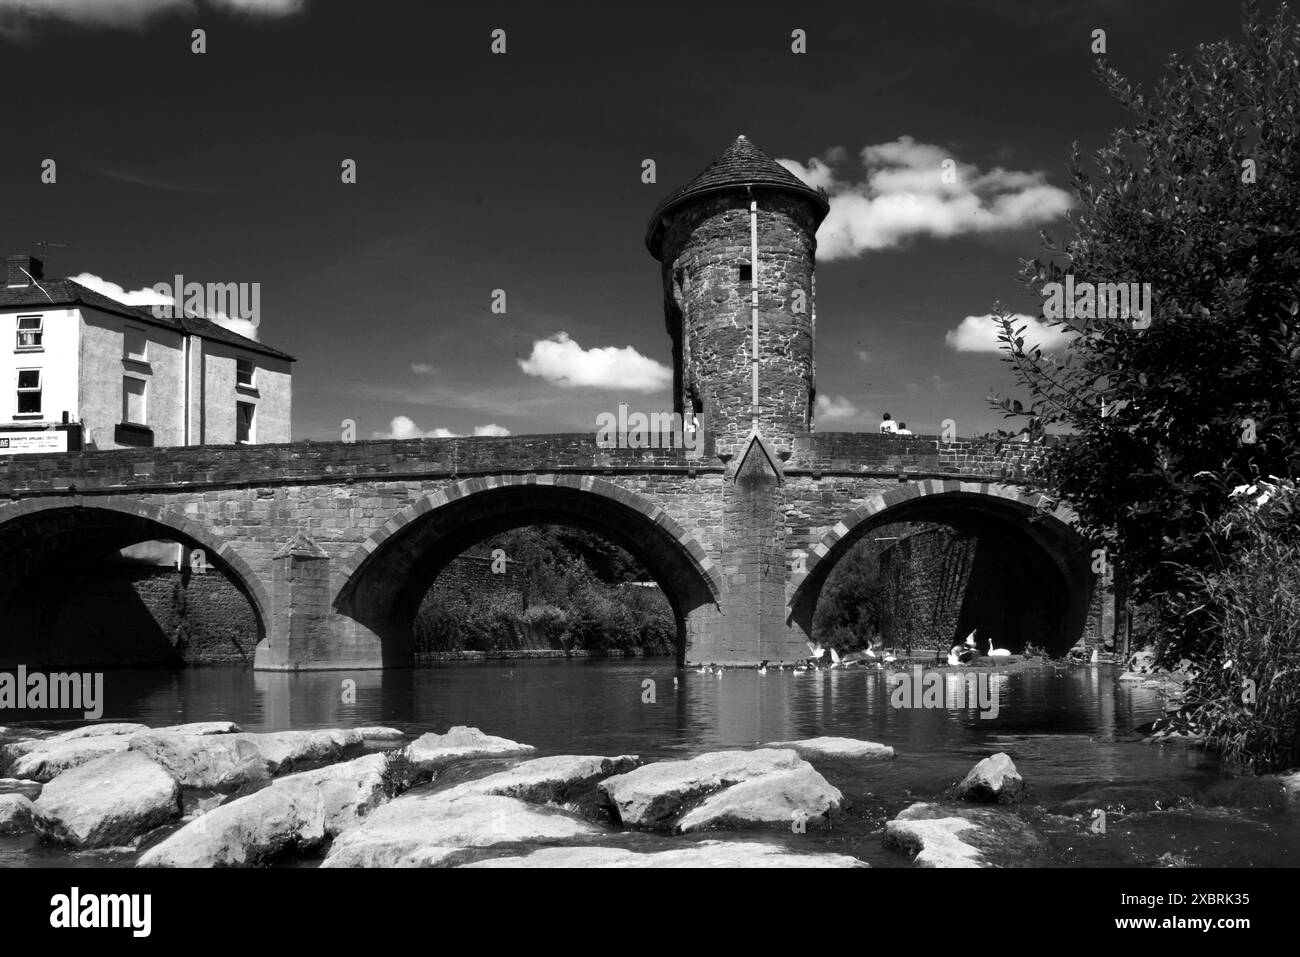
(23, 267)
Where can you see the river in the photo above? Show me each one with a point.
(1068, 729)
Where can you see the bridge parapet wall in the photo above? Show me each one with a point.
(314, 462)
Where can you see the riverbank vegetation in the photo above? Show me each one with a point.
(1169, 412)
(571, 591)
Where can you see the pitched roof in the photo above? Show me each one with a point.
(65, 292)
(740, 164)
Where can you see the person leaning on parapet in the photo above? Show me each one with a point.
(903, 429)
(887, 426)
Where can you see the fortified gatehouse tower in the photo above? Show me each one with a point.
(705, 236)
(737, 246)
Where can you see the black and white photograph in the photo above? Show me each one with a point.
(744, 436)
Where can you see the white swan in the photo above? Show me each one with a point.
(952, 657)
(1095, 656)
(702, 670)
(835, 658)
(762, 667)
(970, 639)
(997, 652)
(817, 650)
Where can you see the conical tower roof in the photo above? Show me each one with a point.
(741, 164)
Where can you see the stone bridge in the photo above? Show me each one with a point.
(335, 544)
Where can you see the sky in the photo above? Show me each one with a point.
(522, 172)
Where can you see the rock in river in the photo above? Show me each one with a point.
(827, 747)
(15, 814)
(107, 802)
(432, 751)
(994, 780)
(553, 780)
(201, 727)
(429, 829)
(287, 751)
(246, 832)
(952, 836)
(293, 813)
(99, 731)
(218, 762)
(780, 798)
(704, 854)
(653, 795)
(44, 760)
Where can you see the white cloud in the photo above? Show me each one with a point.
(17, 15)
(980, 334)
(136, 297)
(864, 355)
(423, 368)
(151, 297)
(900, 195)
(836, 408)
(404, 427)
(561, 361)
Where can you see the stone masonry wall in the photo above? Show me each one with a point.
(246, 502)
(705, 248)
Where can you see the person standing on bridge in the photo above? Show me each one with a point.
(887, 425)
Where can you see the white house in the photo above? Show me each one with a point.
(81, 370)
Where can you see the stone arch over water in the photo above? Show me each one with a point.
(1047, 598)
(381, 585)
(43, 540)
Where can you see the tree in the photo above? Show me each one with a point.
(849, 609)
(1197, 196)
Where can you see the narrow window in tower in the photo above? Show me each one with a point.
(746, 274)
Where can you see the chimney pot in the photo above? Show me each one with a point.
(21, 267)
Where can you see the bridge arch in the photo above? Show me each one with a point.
(38, 537)
(380, 586)
(1037, 531)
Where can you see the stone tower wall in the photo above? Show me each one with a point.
(709, 311)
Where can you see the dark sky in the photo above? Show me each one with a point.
(523, 172)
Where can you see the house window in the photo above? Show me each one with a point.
(134, 344)
(746, 273)
(29, 391)
(244, 372)
(30, 333)
(244, 422)
(133, 390)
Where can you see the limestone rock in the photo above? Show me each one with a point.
(350, 790)
(201, 727)
(99, 731)
(431, 751)
(651, 796)
(957, 836)
(287, 751)
(44, 760)
(107, 802)
(293, 813)
(246, 832)
(219, 762)
(778, 798)
(381, 735)
(427, 829)
(994, 780)
(553, 780)
(705, 854)
(828, 747)
(15, 814)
